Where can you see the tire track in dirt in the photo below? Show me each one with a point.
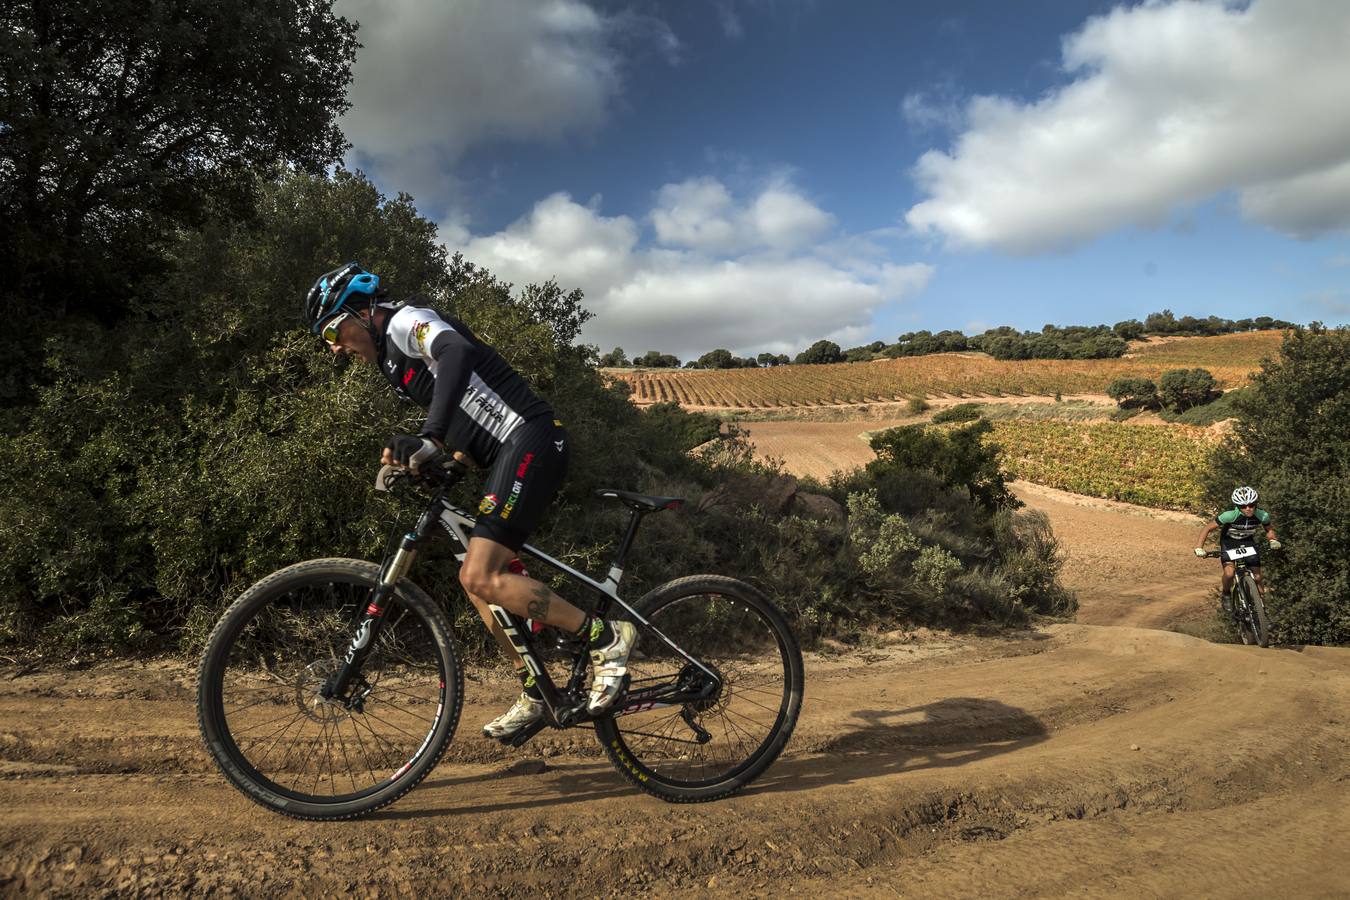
(1074, 759)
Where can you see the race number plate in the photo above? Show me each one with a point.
(1236, 553)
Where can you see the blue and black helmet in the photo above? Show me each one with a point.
(334, 289)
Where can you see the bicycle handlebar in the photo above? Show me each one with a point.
(442, 470)
(1216, 554)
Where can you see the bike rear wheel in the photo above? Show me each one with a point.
(285, 746)
(1256, 609)
(713, 747)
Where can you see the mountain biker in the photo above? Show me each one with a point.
(1237, 527)
(483, 409)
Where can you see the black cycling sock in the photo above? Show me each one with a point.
(584, 632)
(527, 682)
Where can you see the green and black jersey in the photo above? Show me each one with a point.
(1236, 528)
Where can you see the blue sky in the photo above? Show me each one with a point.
(757, 174)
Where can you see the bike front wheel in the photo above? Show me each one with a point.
(713, 747)
(1256, 610)
(275, 736)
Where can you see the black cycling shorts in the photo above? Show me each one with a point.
(528, 472)
(1253, 561)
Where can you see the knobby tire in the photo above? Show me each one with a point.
(733, 627)
(314, 606)
(1256, 609)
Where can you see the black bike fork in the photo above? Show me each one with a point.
(368, 629)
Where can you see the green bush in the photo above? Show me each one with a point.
(959, 458)
(170, 460)
(1181, 389)
(961, 412)
(1224, 407)
(917, 406)
(1133, 392)
(1291, 442)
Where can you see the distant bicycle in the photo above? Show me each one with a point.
(331, 687)
(1246, 606)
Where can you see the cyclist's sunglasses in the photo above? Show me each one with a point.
(330, 328)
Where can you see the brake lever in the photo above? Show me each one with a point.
(388, 476)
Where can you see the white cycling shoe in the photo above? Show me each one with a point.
(525, 711)
(609, 666)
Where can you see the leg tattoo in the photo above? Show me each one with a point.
(538, 607)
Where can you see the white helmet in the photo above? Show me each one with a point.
(1244, 495)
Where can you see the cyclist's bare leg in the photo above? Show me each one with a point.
(1228, 569)
(486, 580)
(1256, 573)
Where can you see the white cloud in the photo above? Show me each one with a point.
(560, 239)
(1172, 103)
(719, 272)
(435, 77)
(938, 110)
(729, 20)
(700, 214)
(1305, 205)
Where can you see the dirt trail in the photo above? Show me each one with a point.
(1076, 760)
(1072, 760)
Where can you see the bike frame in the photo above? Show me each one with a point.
(566, 705)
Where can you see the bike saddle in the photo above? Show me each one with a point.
(640, 501)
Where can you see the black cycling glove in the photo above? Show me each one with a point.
(412, 450)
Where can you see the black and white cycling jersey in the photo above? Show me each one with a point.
(475, 401)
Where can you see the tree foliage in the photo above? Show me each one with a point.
(1133, 392)
(1292, 442)
(959, 457)
(820, 352)
(123, 119)
(615, 358)
(1181, 389)
(655, 359)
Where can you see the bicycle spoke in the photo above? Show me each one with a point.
(742, 646)
(317, 748)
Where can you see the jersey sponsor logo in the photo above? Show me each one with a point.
(487, 504)
(559, 445)
(408, 376)
(524, 465)
(486, 408)
(511, 501)
(419, 333)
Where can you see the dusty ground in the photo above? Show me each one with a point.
(1074, 760)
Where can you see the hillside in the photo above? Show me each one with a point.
(1231, 358)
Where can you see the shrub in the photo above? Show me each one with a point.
(1181, 389)
(174, 459)
(958, 458)
(936, 568)
(1292, 442)
(671, 425)
(917, 406)
(1133, 392)
(882, 540)
(961, 412)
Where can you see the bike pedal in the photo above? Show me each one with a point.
(520, 737)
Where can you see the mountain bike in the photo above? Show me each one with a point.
(332, 687)
(1246, 606)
